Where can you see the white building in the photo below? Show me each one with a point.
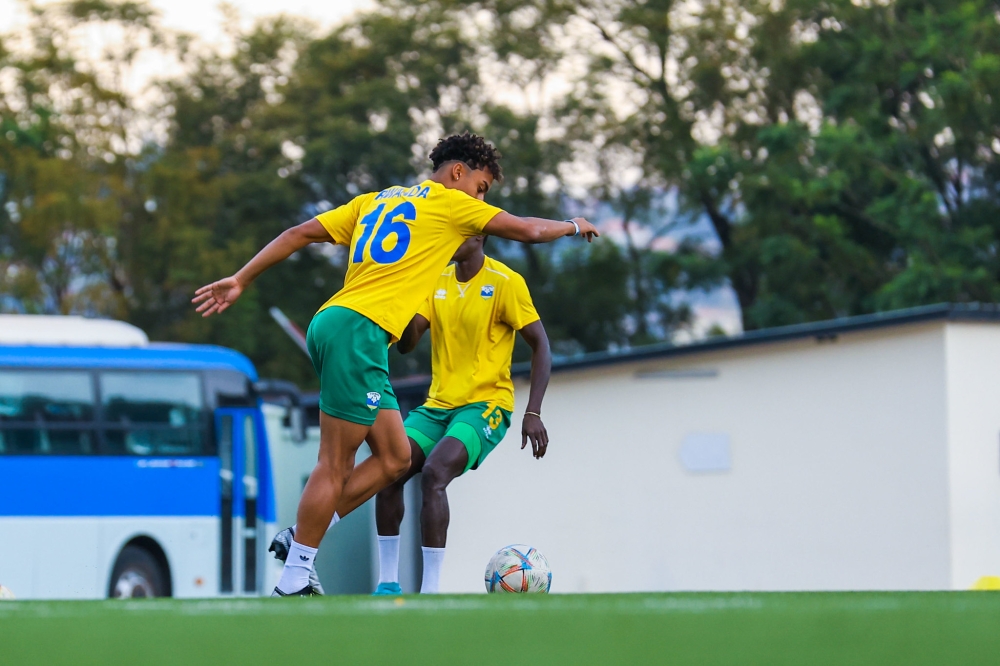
(861, 453)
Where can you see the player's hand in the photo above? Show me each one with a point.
(532, 428)
(587, 230)
(216, 297)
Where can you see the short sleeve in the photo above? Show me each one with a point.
(517, 310)
(469, 214)
(340, 221)
(425, 308)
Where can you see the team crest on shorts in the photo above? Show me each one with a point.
(373, 400)
(488, 431)
(486, 291)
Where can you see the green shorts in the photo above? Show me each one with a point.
(480, 426)
(351, 355)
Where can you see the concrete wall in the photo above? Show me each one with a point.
(838, 477)
(973, 353)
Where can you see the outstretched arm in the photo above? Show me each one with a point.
(412, 334)
(541, 368)
(536, 229)
(216, 297)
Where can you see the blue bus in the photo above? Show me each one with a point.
(132, 471)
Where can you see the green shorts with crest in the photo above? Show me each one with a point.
(479, 426)
(351, 355)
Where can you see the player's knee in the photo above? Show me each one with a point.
(435, 478)
(334, 470)
(396, 466)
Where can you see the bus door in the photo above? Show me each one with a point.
(243, 463)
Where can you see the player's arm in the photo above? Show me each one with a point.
(532, 427)
(412, 334)
(537, 229)
(216, 297)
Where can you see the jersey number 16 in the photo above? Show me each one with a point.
(394, 222)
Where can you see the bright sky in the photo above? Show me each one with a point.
(203, 18)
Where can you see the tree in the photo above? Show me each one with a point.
(843, 151)
(64, 151)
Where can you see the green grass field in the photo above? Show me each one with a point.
(746, 628)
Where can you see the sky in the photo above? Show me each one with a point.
(203, 18)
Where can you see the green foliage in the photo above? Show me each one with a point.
(844, 153)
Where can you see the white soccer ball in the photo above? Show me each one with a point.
(6, 594)
(518, 569)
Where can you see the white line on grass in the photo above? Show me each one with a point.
(371, 606)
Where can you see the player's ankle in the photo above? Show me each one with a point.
(433, 559)
(298, 565)
(388, 559)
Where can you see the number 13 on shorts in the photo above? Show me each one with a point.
(493, 416)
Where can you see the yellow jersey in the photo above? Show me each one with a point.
(472, 335)
(399, 240)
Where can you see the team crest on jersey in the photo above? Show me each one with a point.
(373, 400)
(486, 291)
(441, 293)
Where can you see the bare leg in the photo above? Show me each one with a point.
(389, 507)
(339, 442)
(389, 461)
(445, 463)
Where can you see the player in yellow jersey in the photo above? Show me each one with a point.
(477, 306)
(399, 240)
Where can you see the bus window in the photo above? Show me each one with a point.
(44, 412)
(153, 413)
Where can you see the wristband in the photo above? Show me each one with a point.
(533, 414)
(576, 227)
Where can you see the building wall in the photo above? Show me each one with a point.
(973, 353)
(838, 475)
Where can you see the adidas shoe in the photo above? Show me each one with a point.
(387, 589)
(306, 591)
(280, 544)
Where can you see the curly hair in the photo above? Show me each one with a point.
(472, 149)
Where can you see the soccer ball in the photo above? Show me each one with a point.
(517, 569)
(6, 594)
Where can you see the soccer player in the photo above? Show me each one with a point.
(399, 239)
(476, 307)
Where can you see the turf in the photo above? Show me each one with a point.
(738, 628)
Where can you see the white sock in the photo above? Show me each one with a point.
(388, 559)
(295, 575)
(333, 521)
(433, 557)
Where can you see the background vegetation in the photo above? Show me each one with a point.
(820, 159)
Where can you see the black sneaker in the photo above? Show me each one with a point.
(306, 591)
(280, 544)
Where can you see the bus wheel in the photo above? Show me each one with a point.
(137, 574)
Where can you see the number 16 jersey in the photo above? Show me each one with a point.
(399, 240)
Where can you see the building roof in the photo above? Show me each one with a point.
(822, 330)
